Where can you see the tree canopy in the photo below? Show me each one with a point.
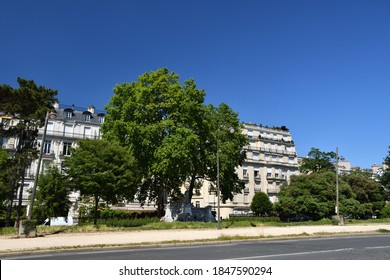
(385, 178)
(52, 197)
(27, 107)
(171, 134)
(312, 195)
(261, 204)
(317, 161)
(5, 176)
(103, 170)
(367, 191)
(226, 136)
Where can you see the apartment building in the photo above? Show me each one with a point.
(67, 125)
(8, 143)
(271, 161)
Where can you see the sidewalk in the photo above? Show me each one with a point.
(137, 238)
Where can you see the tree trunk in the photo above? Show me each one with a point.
(95, 216)
(9, 208)
(19, 212)
(191, 188)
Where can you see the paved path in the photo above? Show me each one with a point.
(13, 244)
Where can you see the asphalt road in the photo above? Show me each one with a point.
(365, 247)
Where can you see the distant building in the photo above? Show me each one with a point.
(8, 143)
(378, 169)
(344, 166)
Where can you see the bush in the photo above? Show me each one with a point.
(385, 212)
(29, 227)
(86, 214)
(261, 204)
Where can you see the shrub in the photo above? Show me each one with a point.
(385, 212)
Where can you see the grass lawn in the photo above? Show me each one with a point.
(154, 224)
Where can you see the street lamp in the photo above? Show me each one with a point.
(49, 115)
(339, 218)
(231, 130)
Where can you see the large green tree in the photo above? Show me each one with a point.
(226, 136)
(261, 204)
(385, 178)
(313, 194)
(27, 107)
(52, 196)
(367, 191)
(317, 161)
(171, 133)
(103, 170)
(4, 176)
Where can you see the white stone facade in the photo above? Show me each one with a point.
(271, 161)
(69, 125)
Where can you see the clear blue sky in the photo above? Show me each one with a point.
(321, 68)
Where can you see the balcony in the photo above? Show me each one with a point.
(271, 151)
(49, 155)
(70, 135)
(273, 190)
(276, 178)
(277, 140)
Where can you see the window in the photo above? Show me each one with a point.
(50, 127)
(255, 156)
(273, 158)
(197, 204)
(250, 133)
(68, 129)
(101, 119)
(47, 147)
(290, 160)
(45, 165)
(87, 117)
(256, 173)
(66, 148)
(69, 114)
(269, 172)
(245, 172)
(87, 132)
(246, 198)
(267, 157)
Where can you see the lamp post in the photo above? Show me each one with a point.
(337, 182)
(231, 130)
(218, 199)
(50, 115)
(340, 219)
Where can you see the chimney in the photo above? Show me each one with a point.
(91, 109)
